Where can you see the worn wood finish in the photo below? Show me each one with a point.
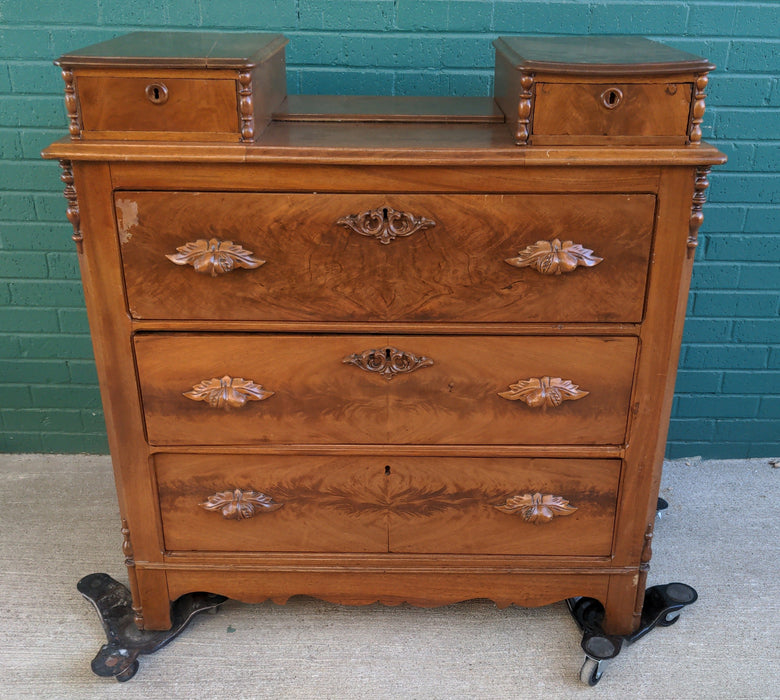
(320, 399)
(456, 267)
(376, 351)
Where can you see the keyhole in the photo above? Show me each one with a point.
(387, 354)
(156, 93)
(611, 98)
(387, 469)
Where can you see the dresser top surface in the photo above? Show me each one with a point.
(178, 50)
(595, 55)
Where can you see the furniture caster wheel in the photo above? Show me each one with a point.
(591, 671)
(128, 673)
(118, 658)
(670, 619)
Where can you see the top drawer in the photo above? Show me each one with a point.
(377, 257)
(599, 90)
(175, 86)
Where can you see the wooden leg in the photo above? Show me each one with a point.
(155, 607)
(620, 608)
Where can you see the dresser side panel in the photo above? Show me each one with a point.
(111, 337)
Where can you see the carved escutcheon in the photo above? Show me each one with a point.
(543, 391)
(385, 224)
(536, 508)
(227, 392)
(240, 505)
(553, 257)
(214, 256)
(387, 362)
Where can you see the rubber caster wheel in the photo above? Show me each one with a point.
(670, 619)
(128, 673)
(591, 671)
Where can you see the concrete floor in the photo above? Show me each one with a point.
(721, 534)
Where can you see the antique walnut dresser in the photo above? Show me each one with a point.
(385, 349)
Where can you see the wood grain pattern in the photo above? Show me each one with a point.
(390, 504)
(374, 489)
(320, 400)
(570, 109)
(114, 104)
(455, 271)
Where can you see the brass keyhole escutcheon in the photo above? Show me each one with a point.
(611, 97)
(157, 93)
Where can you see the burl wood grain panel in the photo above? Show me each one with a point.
(612, 109)
(321, 396)
(316, 513)
(193, 105)
(317, 269)
(387, 504)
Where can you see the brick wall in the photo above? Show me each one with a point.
(728, 393)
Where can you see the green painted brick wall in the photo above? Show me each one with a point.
(728, 391)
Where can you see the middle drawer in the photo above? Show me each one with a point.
(242, 389)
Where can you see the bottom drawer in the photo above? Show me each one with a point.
(357, 503)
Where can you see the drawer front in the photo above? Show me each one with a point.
(387, 504)
(339, 257)
(156, 104)
(253, 389)
(648, 110)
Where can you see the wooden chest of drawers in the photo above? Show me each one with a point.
(377, 350)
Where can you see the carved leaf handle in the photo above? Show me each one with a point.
(387, 362)
(543, 391)
(227, 392)
(536, 508)
(385, 224)
(554, 257)
(214, 256)
(240, 505)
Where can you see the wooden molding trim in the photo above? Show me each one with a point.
(73, 214)
(697, 111)
(246, 106)
(127, 550)
(701, 183)
(71, 104)
(524, 109)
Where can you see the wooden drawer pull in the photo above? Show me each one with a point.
(385, 224)
(240, 505)
(214, 256)
(543, 391)
(227, 392)
(387, 362)
(536, 508)
(553, 257)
